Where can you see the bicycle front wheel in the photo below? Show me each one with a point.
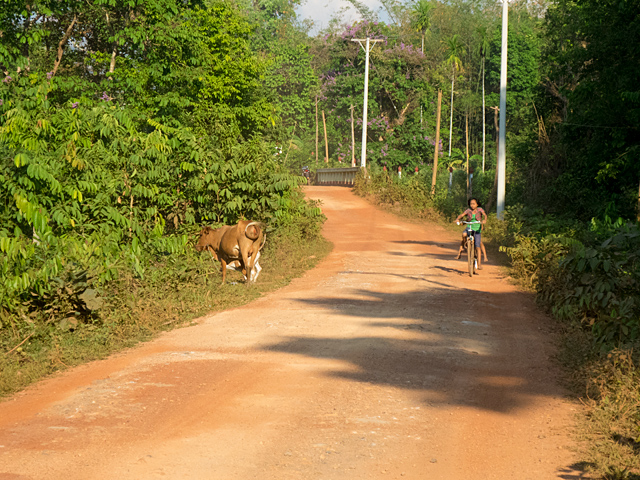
(471, 257)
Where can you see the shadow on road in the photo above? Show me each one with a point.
(458, 347)
(419, 278)
(427, 242)
(577, 471)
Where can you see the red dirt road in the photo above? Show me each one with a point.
(386, 361)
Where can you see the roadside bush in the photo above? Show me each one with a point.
(411, 192)
(599, 284)
(590, 276)
(100, 213)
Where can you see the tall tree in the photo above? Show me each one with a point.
(421, 18)
(482, 48)
(593, 62)
(456, 51)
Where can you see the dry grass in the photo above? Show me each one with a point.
(610, 430)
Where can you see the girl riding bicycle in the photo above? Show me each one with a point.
(474, 213)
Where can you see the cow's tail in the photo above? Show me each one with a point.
(255, 232)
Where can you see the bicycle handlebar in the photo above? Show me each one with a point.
(469, 223)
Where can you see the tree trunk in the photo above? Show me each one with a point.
(112, 65)
(483, 118)
(326, 140)
(316, 129)
(638, 203)
(451, 119)
(435, 155)
(114, 51)
(353, 140)
(64, 39)
(466, 129)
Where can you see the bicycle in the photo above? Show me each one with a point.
(470, 246)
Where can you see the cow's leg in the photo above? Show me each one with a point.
(247, 261)
(224, 270)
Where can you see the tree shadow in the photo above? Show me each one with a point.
(416, 277)
(577, 471)
(439, 256)
(454, 354)
(425, 242)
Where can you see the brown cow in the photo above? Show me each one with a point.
(236, 246)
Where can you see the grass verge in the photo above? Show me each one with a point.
(173, 293)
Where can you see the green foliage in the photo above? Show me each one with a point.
(592, 64)
(421, 16)
(289, 79)
(397, 91)
(599, 284)
(90, 194)
(593, 280)
(160, 58)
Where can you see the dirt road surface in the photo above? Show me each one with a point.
(387, 361)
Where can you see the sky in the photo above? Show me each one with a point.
(321, 11)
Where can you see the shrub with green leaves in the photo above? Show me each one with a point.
(591, 276)
(598, 283)
(90, 192)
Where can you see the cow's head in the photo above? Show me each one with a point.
(206, 238)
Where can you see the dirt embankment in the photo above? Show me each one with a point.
(385, 361)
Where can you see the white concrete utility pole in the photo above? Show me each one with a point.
(503, 112)
(367, 49)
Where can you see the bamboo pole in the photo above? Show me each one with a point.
(435, 155)
(326, 140)
(484, 116)
(316, 129)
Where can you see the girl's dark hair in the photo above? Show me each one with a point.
(473, 198)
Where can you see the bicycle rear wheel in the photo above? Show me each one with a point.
(471, 257)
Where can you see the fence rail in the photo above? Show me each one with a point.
(336, 176)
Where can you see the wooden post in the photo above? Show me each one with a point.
(435, 156)
(353, 140)
(466, 129)
(326, 140)
(316, 129)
